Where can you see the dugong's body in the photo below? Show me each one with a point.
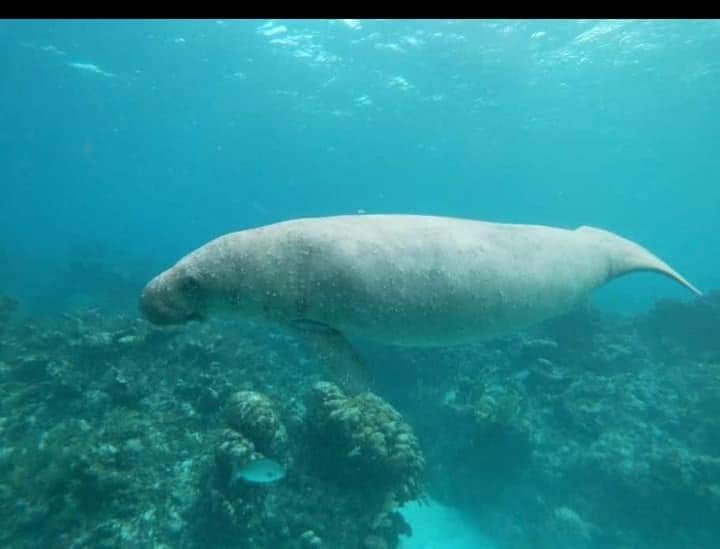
(400, 279)
(403, 279)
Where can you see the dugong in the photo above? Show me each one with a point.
(400, 279)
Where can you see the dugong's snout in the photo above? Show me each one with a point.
(168, 299)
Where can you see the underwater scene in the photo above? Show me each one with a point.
(360, 284)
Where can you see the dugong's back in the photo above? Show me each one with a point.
(426, 280)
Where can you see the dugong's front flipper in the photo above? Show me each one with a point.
(345, 365)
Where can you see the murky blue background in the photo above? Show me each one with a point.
(137, 141)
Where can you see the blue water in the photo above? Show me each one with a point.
(126, 144)
(144, 139)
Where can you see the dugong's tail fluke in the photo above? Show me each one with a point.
(665, 269)
(627, 257)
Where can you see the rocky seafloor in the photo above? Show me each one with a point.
(588, 431)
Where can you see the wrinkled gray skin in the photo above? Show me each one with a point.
(399, 279)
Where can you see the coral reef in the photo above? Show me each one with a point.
(253, 414)
(598, 444)
(313, 506)
(364, 443)
(107, 427)
(588, 431)
(688, 330)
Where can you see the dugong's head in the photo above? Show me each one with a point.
(189, 289)
(173, 297)
(233, 273)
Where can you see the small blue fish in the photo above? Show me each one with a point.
(259, 471)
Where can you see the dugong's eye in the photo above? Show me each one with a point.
(189, 285)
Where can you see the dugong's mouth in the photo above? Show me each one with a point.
(157, 305)
(166, 315)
